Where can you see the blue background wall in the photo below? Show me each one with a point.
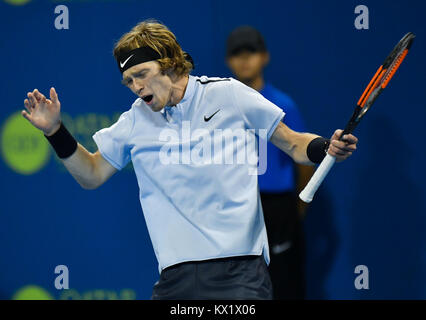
(370, 211)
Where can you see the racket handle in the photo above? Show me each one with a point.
(308, 193)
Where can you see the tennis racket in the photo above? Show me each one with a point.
(377, 84)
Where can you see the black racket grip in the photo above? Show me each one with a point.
(352, 123)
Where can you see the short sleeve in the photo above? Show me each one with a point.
(257, 111)
(112, 142)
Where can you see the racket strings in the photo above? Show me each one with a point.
(393, 68)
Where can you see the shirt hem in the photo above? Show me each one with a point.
(275, 124)
(256, 253)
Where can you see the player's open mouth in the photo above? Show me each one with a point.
(148, 98)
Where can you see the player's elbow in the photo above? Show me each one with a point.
(95, 177)
(92, 183)
(89, 185)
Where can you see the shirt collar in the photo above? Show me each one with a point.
(189, 90)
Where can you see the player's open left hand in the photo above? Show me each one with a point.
(44, 114)
(344, 148)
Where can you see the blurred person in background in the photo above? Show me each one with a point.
(247, 56)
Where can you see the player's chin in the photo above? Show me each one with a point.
(157, 107)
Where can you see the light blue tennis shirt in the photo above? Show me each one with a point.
(194, 167)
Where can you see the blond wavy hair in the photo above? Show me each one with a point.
(153, 34)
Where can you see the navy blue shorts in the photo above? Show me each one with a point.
(236, 278)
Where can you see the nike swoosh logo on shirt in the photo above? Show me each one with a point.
(206, 119)
(122, 64)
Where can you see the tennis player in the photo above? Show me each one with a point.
(205, 219)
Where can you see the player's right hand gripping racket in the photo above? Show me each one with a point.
(377, 84)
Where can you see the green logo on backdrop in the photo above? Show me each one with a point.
(17, 2)
(26, 151)
(32, 292)
(24, 148)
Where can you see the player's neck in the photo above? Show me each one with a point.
(178, 89)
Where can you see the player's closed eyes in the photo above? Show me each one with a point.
(139, 75)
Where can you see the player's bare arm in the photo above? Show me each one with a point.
(90, 170)
(295, 144)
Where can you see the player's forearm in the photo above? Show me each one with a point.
(293, 143)
(82, 166)
(300, 146)
(303, 148)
